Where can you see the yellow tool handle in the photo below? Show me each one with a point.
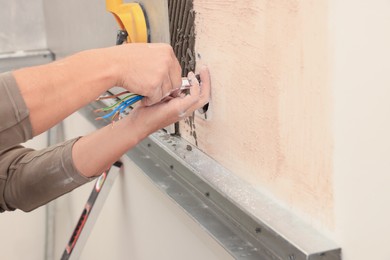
(131, 18)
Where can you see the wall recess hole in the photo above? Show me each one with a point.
(203, 109)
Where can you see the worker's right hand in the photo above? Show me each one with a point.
(147, 119)
(150, 70)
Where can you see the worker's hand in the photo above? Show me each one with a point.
(150, 70)
(151, 118)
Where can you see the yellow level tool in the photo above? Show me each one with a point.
(131, 18)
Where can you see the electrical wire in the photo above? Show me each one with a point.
(114, 105)
(119, 107)
(113, 96)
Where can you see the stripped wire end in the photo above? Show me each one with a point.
(112, 96)
(98, 110)
(117, 110)
(115, 117)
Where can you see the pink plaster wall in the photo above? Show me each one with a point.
(271, 101)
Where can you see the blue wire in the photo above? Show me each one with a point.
(123, 106)
(132, 100)
(113, 112)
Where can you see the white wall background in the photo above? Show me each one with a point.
(22, 25)
(73, 26)
(360, 34)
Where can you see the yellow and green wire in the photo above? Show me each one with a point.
(119, 107)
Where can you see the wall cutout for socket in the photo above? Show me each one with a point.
(204, 112)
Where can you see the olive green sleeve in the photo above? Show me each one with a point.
(29, 179)
(15, 126)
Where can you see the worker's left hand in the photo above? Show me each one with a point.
(151, 118)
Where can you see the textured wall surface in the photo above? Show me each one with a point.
(270, 110)
(182, 33)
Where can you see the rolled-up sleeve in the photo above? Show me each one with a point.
(29, 178)
(15, 126)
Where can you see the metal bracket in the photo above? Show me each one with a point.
(247, 223)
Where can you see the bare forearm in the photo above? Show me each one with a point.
(94, 153)
(55, 90)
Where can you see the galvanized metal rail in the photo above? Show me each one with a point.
(247, 223)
